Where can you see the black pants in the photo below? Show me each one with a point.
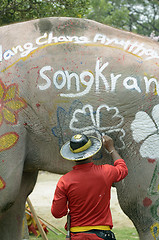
(103, 234)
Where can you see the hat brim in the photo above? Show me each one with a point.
(92, 150)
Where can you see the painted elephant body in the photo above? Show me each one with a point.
(61, 76)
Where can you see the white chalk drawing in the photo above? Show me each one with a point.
(85, 81)
(135, 48)
(145, 129)
(105, 120)
(43, 40)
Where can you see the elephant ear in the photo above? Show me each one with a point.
(142, 126)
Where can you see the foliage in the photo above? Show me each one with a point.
(140, 16)
(108, 12)
(12, 11)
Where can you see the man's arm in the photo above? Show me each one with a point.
(59, 206)
(121, 170)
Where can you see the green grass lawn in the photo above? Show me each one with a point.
(126, 234)
(121, 234)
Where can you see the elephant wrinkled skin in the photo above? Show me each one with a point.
(62, 76)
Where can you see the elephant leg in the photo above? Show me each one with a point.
(11, 220)
(148, 236)
(145, 219)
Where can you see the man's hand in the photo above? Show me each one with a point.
(108, 143)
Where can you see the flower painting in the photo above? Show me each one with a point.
(10, 103)
(145, 130)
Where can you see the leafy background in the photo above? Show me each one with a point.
(139, 16)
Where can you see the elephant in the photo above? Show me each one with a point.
(62, 76)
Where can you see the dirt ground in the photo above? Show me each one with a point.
(42, 196)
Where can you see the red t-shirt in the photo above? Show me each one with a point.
(86, 192)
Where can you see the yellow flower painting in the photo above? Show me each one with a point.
(2, 183)
(10, 103)
(8, 140)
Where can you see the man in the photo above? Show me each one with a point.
(85, 190)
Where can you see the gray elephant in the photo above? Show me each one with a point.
(62, 76)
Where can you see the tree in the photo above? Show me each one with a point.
(107, 12)
(19, 10)
(140, 16)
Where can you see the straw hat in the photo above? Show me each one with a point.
(80, 147)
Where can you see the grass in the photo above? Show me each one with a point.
(126, 234)
(121, 234)
(51, 235)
